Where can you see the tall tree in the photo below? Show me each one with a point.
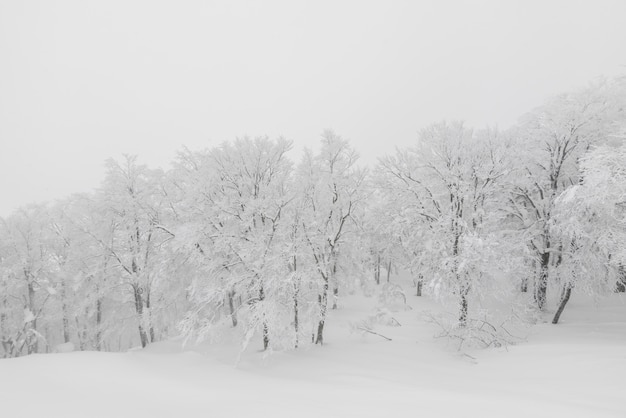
(590, 219)
(26, 280)
(552, 140)
(243, 195)
(134, 204)
(333, 191)
(445, 195)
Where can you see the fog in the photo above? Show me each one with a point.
(81, 81)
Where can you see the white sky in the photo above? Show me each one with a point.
(81, 80)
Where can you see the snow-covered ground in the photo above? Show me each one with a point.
(574, 369)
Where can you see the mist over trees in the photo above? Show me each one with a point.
(242, 240)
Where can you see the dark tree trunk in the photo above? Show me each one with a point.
(567, 291)
(149, 315)
(542, 281)
(620, 286)
(143, 335)
(99, 324)
(323, 304)
(463, 288)
(320, 331)
(389, 271)
(524, 285)
(266, 334)
(335, 286)
(419, 282)
(231, 307)
(377, 270)
(463, 306)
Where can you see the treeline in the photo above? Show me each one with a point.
(239, 237)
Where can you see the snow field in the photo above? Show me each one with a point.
(574, 369)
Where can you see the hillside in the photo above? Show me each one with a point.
(574, 369)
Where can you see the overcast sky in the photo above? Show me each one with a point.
(81, 81)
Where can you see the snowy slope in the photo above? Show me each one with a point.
(575, 369)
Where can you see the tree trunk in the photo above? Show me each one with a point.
(33, 340)
(323, 304)
(143, 336)
(335, 285)
(463, 288)
(148, 314)
(99, 323)
(463, 306)
(620, 286)
(296, 323)
(567, 291)
(377, 270)
(266, 336)
(100, 281)
(420, 280)
(542, 281)
(66, 317)
(296, 295)
(47, 337)
(231, 307)
(527, 280)
(4, 338)
(389, 271)
(81, 331)
(524, 285)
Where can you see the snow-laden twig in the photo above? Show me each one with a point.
(369, 331)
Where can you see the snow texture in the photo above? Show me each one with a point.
(575, 369)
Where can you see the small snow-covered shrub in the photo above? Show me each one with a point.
(393, 298)
(381, 316)
(481, 330)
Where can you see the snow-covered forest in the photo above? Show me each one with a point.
(247, 241)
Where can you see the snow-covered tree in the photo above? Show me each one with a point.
(332, 185)
(93, 280)
(243, 195)
(446, 216)
(552, 139)
(590, 220)
(134, 205)
(26, 281)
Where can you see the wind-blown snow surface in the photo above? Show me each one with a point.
(575, 369)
